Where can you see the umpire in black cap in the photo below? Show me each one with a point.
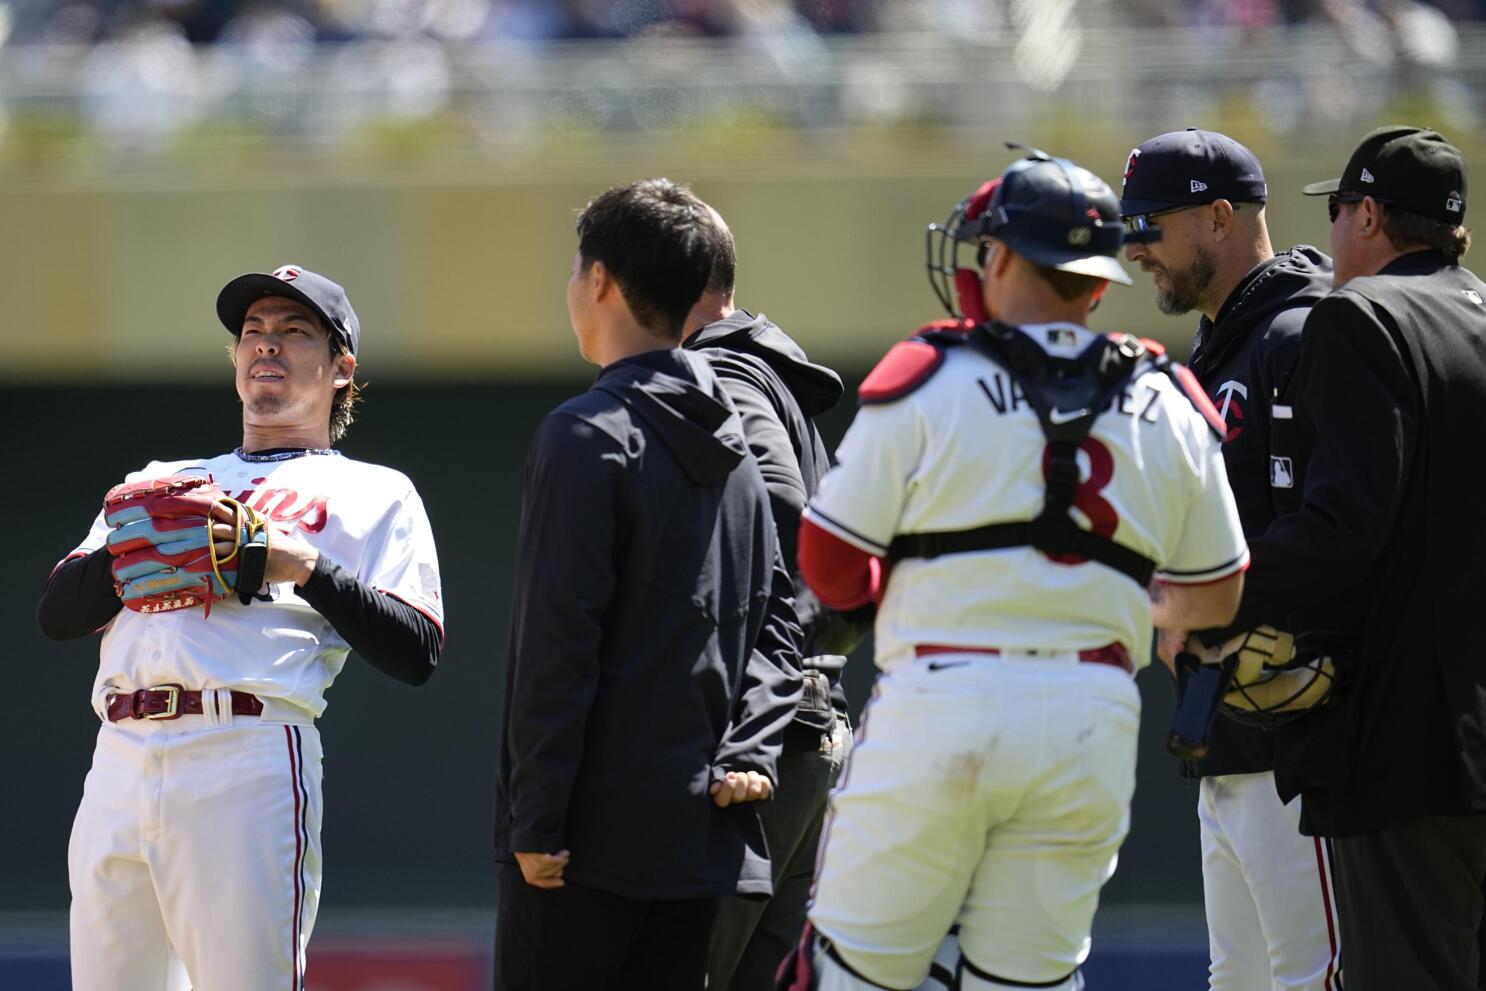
(1389, 398)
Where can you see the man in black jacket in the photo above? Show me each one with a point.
(778, 391)
(654, 649)
(1269, 919)
(1389, 394)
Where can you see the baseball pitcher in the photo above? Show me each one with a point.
(229, 591)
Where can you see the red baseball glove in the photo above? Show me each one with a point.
(166, 555)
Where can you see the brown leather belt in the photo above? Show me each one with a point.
(172, 702)
(1113, 654)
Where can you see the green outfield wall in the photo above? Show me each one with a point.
(455, 271)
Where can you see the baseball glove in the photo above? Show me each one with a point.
(165, 555)
(1276, 676)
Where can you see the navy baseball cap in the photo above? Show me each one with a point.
(1411, 167)
(327, 299)
(1189, 168)
(1057, 213)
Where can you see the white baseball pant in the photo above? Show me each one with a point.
(989, 790)
(199, 839)
(1271, 909)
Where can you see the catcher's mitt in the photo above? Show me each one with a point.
(165, 556)
(1276, 676)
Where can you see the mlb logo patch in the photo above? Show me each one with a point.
(1452, 204)
(1281, 473)
(1061, 337)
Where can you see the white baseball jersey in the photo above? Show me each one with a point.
(965, 449)
(364, 517)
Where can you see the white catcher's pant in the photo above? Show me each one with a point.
(204, 840)
(1271, 909)
(992, 791)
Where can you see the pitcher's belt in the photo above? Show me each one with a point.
(172, 702)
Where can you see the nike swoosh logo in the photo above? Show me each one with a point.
(941, 665)
(1065, 416)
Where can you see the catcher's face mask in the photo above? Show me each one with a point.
(1278, 677)
(958, 286)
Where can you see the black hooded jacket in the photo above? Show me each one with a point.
(778, 392)
(653, 641)
(1244, 360)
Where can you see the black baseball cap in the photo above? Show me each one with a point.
(327, 299)
(1411, 167)
(1189, 168)
(1054, 212)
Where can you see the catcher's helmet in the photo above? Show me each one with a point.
(1277, 677)
(1049, 210)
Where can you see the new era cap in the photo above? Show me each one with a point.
(1187, 168)
(1411, 167)
(326, 298)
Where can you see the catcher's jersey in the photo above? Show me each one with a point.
(965, 449)
(367, 518)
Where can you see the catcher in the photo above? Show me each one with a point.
(229, 592)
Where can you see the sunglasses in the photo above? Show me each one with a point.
(1335, 200)
(1141, 223)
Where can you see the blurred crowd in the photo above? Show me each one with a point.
(330, 21)
(147, 75)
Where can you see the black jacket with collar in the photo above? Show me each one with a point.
(1388, 399)
(653, 641)
(1244, 359)
(778, 392)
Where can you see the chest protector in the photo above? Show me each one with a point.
(1068, 395)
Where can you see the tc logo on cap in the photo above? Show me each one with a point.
(1130, 163)
(287, 272)
(1198, 186)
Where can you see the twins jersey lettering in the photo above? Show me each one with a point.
(367, 518)
(965, 450)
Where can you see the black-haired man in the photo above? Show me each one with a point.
(654, 649)
(778, 391)
(198, 834)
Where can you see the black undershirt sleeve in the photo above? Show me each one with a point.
(391, 635)
(79, 598)
(395, 638)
